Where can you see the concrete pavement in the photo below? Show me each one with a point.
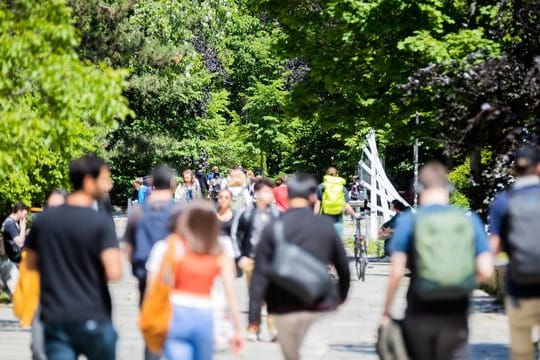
(353, 327)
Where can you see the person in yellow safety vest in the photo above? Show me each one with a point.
(332, 199)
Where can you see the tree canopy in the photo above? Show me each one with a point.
(273, 85)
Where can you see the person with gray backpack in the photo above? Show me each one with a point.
(514, 228)
(448, 253)
(148, 224)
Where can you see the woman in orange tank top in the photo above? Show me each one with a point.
(199, 261)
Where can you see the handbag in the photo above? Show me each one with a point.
(390, 342)
(156, 310)
(297, 271)
(26, 295)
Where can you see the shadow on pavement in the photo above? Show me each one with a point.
(10, 325)
(363, 348)
(486, 304)
(487, 351)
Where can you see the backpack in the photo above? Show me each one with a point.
(333, 197)
(151, 228)
(444, 255)
(238, 201)
(523, 237)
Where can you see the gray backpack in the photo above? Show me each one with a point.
(523, 236)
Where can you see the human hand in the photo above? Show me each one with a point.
(243, 262)
(385, 320)
(237, 343)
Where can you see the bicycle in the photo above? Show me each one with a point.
(360, 252)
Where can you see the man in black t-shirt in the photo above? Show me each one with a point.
(76, 252)
(14, 235)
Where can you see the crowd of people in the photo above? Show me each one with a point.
(190, 238)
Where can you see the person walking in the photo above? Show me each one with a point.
(199, 260)
(147, 224)
(333, 201)
(14, 232)
(303, 329)
(214, 183)
(241, 199)
(281, 194)
(188, 190)
(247, 232)
(448, 253)
(76, 252)
(26, 295)
(387, 229)
(514, 229)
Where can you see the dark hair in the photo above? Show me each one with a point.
(162, 176)
(262, 182)
(332, 171)
(398, 205)
(18, 207)
(87, 165)
(526, 160)
(54, 191)
(301, 186)
(281, 180)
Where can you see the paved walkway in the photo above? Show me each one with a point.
(353, 327)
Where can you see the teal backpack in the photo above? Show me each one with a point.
(444, 255)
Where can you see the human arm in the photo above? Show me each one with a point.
(484, 256)
(318, 203)
(109, 251)
(397, 270)
(227, 277)
(112, 264)
(496, 216)
(400, 247)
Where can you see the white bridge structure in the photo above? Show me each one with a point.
(381, 191)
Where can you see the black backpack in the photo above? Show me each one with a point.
(523, 236)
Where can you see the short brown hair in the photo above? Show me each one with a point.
(433, 175)
(199, 227)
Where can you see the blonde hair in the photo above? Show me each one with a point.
(237, 178)
(188, 172)
(199, 227)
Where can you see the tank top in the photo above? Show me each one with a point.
(195, 273)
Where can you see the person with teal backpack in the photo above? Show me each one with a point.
(332, 199)
(448, 253)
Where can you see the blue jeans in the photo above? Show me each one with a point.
(191, 334)
(97, 341)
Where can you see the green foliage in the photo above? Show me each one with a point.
(53, 106)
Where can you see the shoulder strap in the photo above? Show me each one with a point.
(166, 271)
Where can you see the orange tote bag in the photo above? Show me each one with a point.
(156, 311)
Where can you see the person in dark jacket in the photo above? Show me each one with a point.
(246, 232)
(302, 329)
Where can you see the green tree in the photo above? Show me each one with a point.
(53, 105)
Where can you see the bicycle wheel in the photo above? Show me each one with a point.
(357, 261)
(363, 266)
